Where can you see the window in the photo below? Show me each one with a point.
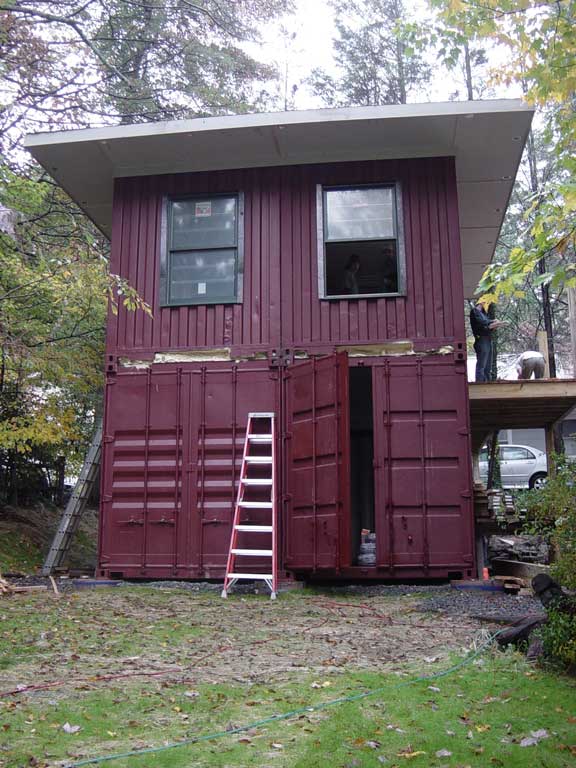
(515, 453)
(203, 259)
(360, 241)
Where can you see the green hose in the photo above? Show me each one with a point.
(276, 718)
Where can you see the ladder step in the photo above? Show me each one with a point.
(259, 459)
(260, 415)
(255, 504)
(261, 576)
(260, 438)
(254, 528)
(253, 552)
(256, 481)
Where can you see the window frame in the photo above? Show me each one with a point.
(166, 250)
(322, 228)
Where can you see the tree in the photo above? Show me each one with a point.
(540, 42)
(69, 64)
(75, 62)
(378, 51)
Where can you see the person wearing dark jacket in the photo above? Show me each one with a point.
(482, 327)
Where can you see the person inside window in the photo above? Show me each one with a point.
(351, 275)
(389, 269)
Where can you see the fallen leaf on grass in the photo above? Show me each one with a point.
(325, 684)
(434, 688)
(277, 745)
(534, 738)
(483, 728)
(67, 728)
(443, 753)
(112, 733)
(372, 744)
(409, 753)
(191, 694)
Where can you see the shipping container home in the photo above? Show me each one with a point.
(313, 265)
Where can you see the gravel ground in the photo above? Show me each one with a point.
(441, 598)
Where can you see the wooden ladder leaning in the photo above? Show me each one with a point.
(255, 513)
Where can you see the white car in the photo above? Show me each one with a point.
(521, 466)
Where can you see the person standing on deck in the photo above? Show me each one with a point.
(482, 327)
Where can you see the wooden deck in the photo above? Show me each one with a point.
(499, 405)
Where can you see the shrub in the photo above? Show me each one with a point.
(559, 638)
(551, 510)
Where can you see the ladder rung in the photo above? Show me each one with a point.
(260, 415)
(254, 528)
(256, 481)
(253, 552)
(259, 459)
(262, 576)
(260, 438)
(255, 504)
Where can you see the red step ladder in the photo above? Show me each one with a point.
(255, 514)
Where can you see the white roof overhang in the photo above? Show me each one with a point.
(485, 137)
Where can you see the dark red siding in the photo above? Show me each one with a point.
(423, 493)
(317, 464)
(281, 307)
(172, 453)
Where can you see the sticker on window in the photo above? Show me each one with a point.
(203, 209)
(201, 287)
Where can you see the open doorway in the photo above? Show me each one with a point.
(363, 535)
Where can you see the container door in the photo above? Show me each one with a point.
(423, 473)
(317, 479)
(142, 487)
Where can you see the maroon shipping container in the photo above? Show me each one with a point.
(281, 307)
(365, 443)
(368, 443)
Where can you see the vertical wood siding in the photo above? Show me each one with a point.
(280, 306)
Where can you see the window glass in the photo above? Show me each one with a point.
(202, 274)
(204, 223)
(510, 453)
(204, 250)
(359, 214)
(360, 247)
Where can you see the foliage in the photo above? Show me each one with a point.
(69, 64)
(552, 510)
(540, 44)
(378, 50)
(558, 636)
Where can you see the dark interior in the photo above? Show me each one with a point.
(377, 272)
(361, 464)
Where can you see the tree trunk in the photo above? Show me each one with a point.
(468, 69)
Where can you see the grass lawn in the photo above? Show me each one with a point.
(194, 665)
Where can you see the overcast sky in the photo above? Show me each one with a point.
(313, 29)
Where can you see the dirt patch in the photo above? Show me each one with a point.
(202, 638)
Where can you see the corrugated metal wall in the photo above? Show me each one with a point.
(173, 441)
(281, 307)
(172, 453)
